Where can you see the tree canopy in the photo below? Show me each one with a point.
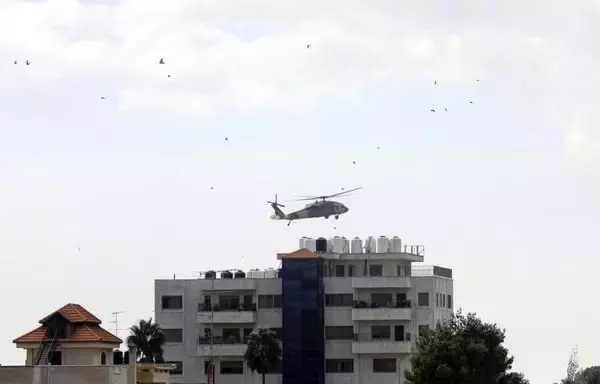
(463, 350)
(263, 352)
(148, 338)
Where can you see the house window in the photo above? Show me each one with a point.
(172, 302)
(399, 333)
(173, 335)
(381, 299)
(380, 332)
(103, 358)
(350, 270)
(376, 270)
(231, 335)
(339, 365)
(437, 299)
(269, 301)
(338, 300)
(56, 358)
(384, 365)
(340, 271)
(423, 329)
(339, 333)
(443, 300)
(229, 302)
(423, 299)
(178, 370)
(402, 271)
(232, 367)
(449, 301)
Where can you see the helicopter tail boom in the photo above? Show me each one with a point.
(279, 215)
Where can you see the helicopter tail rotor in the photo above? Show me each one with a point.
(275, 203)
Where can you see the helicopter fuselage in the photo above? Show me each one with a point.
(317, 209)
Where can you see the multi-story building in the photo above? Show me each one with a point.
(345, 312)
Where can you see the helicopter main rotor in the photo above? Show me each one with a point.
(345, 193)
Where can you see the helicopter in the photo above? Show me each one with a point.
(320, 208)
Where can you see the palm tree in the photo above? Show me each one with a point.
(263, 352)
(148, 338)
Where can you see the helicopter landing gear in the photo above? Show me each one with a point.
(327, 217)
(289, 222)
(337, 217)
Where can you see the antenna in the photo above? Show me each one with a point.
(116, 322)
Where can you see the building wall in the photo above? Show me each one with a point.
(64, 374)
(76, 355)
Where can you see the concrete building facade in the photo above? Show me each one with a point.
(345, 311)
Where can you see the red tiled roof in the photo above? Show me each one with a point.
(299, 254)
(81, 334)
(75, 314)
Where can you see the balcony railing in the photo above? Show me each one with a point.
(206, 340)
(381, 337)
(216, 307)
(381, 304)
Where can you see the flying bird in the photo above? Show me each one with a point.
(378, 147)
(15, 61)
(446, 109)
(470, 101)
(102, 98)
(168, 75)
(477, 80)
(435, 82)
(308, 46)
(162, 61)
(432, 110)
(27, 62)
(78, 249)
(211, 188)
(354, 162)
(227, 139)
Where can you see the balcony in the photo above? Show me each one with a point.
(230, 346)
(366, 343)
(240, 313)
(376, 311)
(381, 282)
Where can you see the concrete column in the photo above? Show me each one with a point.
(132, 367)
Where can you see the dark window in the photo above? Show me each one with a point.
(449, 301)
(437, 299)
(380, 332)
(173, 335)
(423, 299)
(269, 301)
(423, 329)
(103, 358)
(350, 270)
(384, 365)
(247, 332)
(178, 370)
(206, 366)
(230, 367)
(56, 358)
(338, 300)
(231, 335)
(339, 333)
(172, 302)
(229, 302)
(399, 333)
(402, 271)
(381, 299)
(443, 299)
(376, 270)
(339, 365)
(340, 271)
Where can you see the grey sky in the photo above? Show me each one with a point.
(504, 191)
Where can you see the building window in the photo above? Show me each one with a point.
(173, 335)
(449, 301)
(403, 270)
(178, 370)
(231, 335)
(443, 300)
(338, 300)
(380, 332)
(339, 366)
(229, 302)
(206, 366)
(232, 367)
(103, 358)
(376, 270)
(437, 299)
(172, 302)
(423, 299)
(269, 301)
(381, 299)
(423, 329)
(384, 365)
(350, 270)
(339, 333)
(340, 270)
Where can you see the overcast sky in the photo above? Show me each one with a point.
(504, 190)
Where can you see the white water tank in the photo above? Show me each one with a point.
(356, 245)
(345, 245)
(383, 244)
(330, 246)
(396, 244)
(270, 273)
(370, 245)
(337, 244)
(258, 274)
(302, 242)
(310, 244)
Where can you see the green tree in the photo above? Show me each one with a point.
(590, 375)
(148, 338)
(572, 368)
(463, 350)
(263, 352)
